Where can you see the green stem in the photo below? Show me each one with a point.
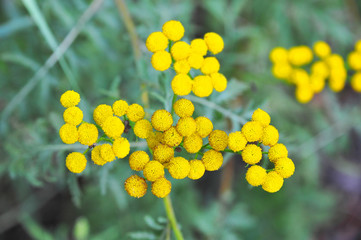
(264, 152)
(172, 219)
(173, 101)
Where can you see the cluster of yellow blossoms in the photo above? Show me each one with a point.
(287, 65)
(186, 58)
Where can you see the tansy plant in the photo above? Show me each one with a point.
(297, 66)
(169, 135)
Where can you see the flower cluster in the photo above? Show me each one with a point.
(168, 50)
(290, 66)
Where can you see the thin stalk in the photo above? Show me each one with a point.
(172, 219)
(173, 101)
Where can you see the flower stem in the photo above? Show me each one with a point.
(172, 219)
(173, 101)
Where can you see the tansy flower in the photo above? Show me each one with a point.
(101, 113)
(262, 117)
(358, 46)
(153, 170)
(334, 61)
(180, 50)
(212, 160)
(204, 126)
(173, 30)
(186, 126)
(96, 157)
(236, 141)
(197, 169)
(256, 175)
(304, 94)
(210, 65)
(182, 66)
(163, 153)
(276, 152)
(193, 143)
(356, 82)
(179, 167)
(252, 131)
(337, 84)
(218, 140)
(120, 108)
(73, 116)
(143, 128)
(121, 147)
(135, 112)
(68, 134)
(321, 49)
(161, 187)
(70, 99)
(279, 55)
(273, 182)
(113, 127)
(202, 86)
(137, 160)
(161, 120)
(300, 77)
(156, 41)
(252, 154)
(183, 108)
(219, 81)
(282, 70)
(171, 137)
(320, 69)
(88, 134)
(182, 84)
(75, 162)
(300, 55)
(317, 83)
(195, 60)
(161, 60)
(354, 60)
(285, 167)
(270, 136)
(199, 46)
(106, 152)
(154, 139)
(214, 42)
(136, 186)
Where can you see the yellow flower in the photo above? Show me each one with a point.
(358, 46)
(162, 120)
(252, 154)
(356, 82)
(300, 55)
(135, 112)
(204, 126)
(88, 134)
(101, 113)
(153, 170)
(195, 60)
(236, 141)
(282, 70)
(183, 108)
(163, 153)
(285, 167)
(154, 139)
(262, 117)
(193, 143)
(171, 137)
(161, 187)
(75, 162)
(218, 140)
(300, 77)
(186, 126)
(136, 186)
(317, 83)
(354, 60)
(219, 81)
(214, 42)
(273, 182)
(252, 131)
(334, 61)
(120, 107)
(173, 30)
(256, 175)
(337, 84)
(199, 46)
(70, 99)
(156, 41)
(276, 152)
(121, 147)
(182, 84)
(210, 65)
(161, 60)
(270, 136)
(212, 160)
(182, 66)
(68, 133)
(180, 50)
(143, 128)
(73, 116)
(106, 152)
(113, 127)
(179, 167)
(96, 156)
(320, 69)
(197, 169)
(304, 94)
(279, 55)
(137, 160)
(202, 86)
(321, 49)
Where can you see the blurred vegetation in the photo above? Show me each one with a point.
(108, 60)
